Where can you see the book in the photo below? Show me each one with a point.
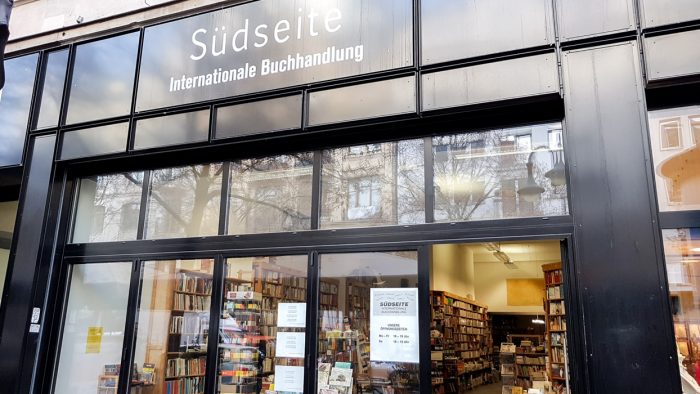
(340, 377)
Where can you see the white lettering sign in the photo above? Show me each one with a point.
(394, 325)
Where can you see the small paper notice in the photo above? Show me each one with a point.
(94, 339)
(291, 314)
(289, 379)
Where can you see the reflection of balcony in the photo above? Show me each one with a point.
(683, 173)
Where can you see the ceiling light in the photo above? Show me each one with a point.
(537, 320)
(695, 250)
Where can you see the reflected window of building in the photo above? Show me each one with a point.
(365, 353)
(108, 207)
(682, 254)
(676, 165)
(670, 134)
(184, 201)
(375, 184)
(271, 194)
(556, 139)
(514, 173)
(50, 94)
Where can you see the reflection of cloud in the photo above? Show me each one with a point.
(15, 103)
(103, 78)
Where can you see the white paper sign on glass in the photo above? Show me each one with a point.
(289, 379)
(290, 344)
(291, 314)
(394, 325)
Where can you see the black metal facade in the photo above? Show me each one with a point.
(621, 337)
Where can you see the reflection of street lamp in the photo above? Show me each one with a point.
(531, 191)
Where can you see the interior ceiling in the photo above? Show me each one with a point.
(531, 251)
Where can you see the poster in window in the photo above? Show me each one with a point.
(394, 325)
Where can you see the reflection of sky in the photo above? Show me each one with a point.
(54, 80)
(171, 130)
(15, 101)
(456, 29)
(384, 27)
(103, 78)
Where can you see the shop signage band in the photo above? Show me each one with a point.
(271, 44)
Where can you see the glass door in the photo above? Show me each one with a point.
(368, 323)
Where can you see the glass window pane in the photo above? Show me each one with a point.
(172, 130)
(675, 137)
(259, 117)
(8, 213)
(51, 93)
(95, 141)
(108, 208)
(375, 184)
(15, 103)
(262, 333)
(173, 326)
(499, 174)
(368, 322)
(93, 332)
(184, 201)
(103, 78)
(682, 252)
(271, 194)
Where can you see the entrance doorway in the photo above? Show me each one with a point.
(498, 318)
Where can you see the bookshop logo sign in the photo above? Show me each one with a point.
(271, 44)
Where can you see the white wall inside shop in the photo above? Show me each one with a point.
(464, 269)
(98, 298)
(8, 214)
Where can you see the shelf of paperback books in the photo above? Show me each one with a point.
(530, 360)
(461, 343)
(555, 329)
(185, 363)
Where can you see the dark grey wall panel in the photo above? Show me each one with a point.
(457, 29)
(95, 141)
(368, 100)
(617, 253)
(579, 19)
(672, 55)
(664, 12)
(31, 218)
(507, 79)
(257, 117)
(172, 130)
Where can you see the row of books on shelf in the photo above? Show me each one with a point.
(462, 333)
(189, 323)
(531, 371)
(554, 292)
(286, 292)
(558, 355)
(194, 385)
(553, 277)
(242, 306)
(242, 354)
(558, 371)
(530, 360)
(450, 301)
(557, 339)
(188, 302)
(556, 323)
(557, 308)
(329, 299)
(329, 288)
(183, 367)
(472, 354)
(463, 322)
(193, 283)
(268, 318)
(236, 286)
(268, 331)
(282, 278)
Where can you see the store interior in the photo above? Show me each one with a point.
(497, 321)
(498, 318)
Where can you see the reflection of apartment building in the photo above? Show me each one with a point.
(675, 145)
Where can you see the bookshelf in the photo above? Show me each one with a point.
(188, 331)
(460, 343)
(530, 360)
(555, 327)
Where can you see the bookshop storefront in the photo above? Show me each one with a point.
(349, 197)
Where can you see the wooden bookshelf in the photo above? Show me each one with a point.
(530, 360)
(555, 327)
(463, 347)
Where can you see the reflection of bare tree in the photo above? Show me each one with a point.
(271, 194)
(185, 201)
(110, 208)
(477, 176)
(376, 183)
